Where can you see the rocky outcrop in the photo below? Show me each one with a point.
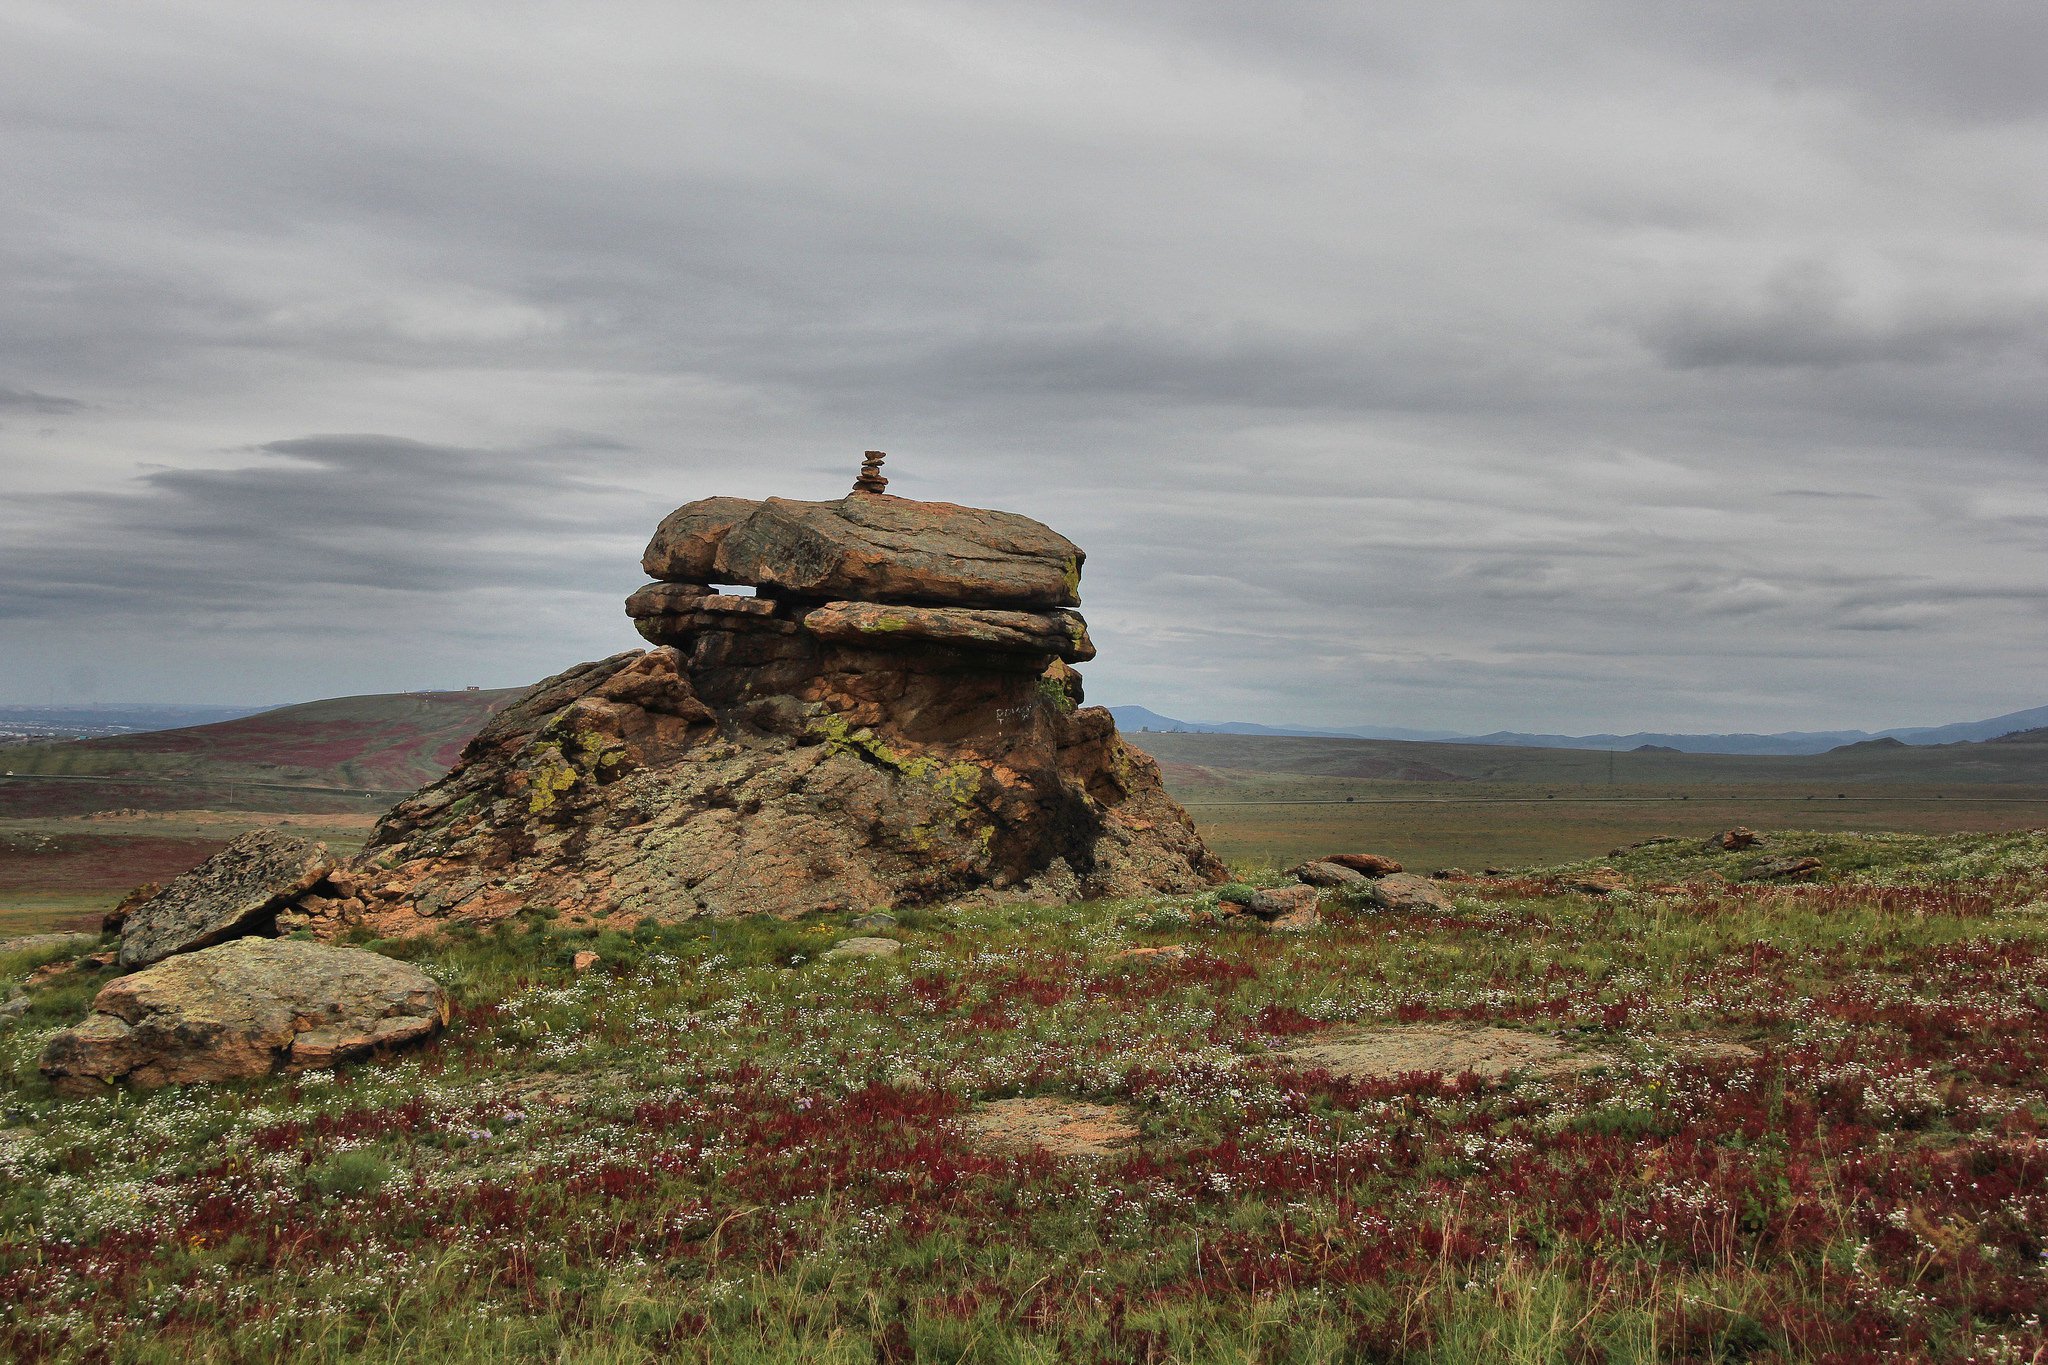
(237, 891)
(244, 1008)
(890, 721)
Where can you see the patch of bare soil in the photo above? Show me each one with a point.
(1452, 1049)
(1061, 1127)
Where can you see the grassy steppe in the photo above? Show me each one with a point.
(719, 1146)
(1273, 801)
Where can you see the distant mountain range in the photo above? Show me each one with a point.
(1784, 742)
(1140, 718)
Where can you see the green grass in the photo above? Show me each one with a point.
(719, 1146)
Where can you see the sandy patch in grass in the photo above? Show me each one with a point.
(1062, 1127)
(1452, 1049)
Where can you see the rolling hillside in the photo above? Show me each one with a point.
(1223, 758)
(292, 758)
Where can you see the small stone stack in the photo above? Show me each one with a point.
(890, 718)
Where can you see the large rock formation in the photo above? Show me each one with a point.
(889, 720)
(244, 1008)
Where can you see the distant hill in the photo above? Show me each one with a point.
(19, 724)
(1210, 760)
(1784, 742)
(1137, 718)
(385, 743)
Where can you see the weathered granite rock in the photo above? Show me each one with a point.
(1738, 838)
(1406, 893)
(1780, 869)
(685, 545)
(1371, 864)
(1325, 874)
(1060, 633)
(245, 1008)
(1273, 902)
(869, 547)
(1595, 881)
(236, 891)
(890, 721)
(115, 919)
(667, 599)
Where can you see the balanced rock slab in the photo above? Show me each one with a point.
(230, 893)
(870, 547)
(245, 1008)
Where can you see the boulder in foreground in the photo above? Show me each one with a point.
(234, 892)
(245, 1008)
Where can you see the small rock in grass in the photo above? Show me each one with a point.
(1276, 901)
(1407, 893)
(15, 1008)
(864, 947)
(1059, 1126)
(874, 919)
(1371, 864)
(1739, 837)
(1299, 920)
(1171, 952)
(1451, 874)
(1773, 869)
(583, 961)
(1597, 881)
(1326, 874)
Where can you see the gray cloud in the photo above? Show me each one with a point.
(43, 404)
(1591, 365)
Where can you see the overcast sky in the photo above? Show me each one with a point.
(1552, 365)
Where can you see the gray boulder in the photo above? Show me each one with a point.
(245, 1008)
(232, 893)
(1328, 875)
(1405, 892)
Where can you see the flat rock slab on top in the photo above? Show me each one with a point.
(1379, 1054)
(245, 1008)
(870, 547)
(227, 894)
(1061, 1127)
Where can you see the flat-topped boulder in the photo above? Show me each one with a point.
(869, 547)
(245, 1008)
(234, 892)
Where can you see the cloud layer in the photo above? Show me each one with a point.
(1590, 365)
